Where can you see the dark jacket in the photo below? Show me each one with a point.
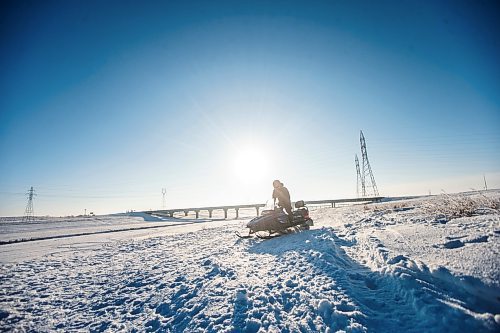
(281, 193)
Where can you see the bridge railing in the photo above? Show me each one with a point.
(333, 203)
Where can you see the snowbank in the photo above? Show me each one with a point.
(390, 267)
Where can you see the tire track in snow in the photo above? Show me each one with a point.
(34, 239)
(208, 281)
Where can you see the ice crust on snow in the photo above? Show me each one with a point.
(417, 265)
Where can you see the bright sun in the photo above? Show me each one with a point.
(250, 165)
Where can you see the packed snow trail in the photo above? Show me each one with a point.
(208, 281)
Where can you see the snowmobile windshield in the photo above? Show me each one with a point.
(269, 204)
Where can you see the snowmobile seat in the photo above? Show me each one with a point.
(299, 204)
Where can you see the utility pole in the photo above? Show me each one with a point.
(164, 201)
(29, 214)
(485, 185)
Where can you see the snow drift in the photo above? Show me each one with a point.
(400, 266)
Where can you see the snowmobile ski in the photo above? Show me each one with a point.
(240, 236)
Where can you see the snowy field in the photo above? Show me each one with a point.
(422, 265)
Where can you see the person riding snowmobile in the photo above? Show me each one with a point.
(281, 193)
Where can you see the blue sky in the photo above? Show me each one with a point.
(106, 103)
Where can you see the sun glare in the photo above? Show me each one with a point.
(250, 165)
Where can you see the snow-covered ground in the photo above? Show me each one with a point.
(419, 265)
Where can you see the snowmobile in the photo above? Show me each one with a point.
(274, 222)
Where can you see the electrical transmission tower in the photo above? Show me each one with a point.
(29, 214)
(365, 174)
(163, 201)
(358, 177)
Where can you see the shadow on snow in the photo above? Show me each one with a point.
(408, 299)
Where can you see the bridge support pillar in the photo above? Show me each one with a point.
(257, 209)
(197, 213)
(186, 213)
(210, 213)
(237, 212)
(225, 213)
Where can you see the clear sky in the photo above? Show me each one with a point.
(104, 103)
